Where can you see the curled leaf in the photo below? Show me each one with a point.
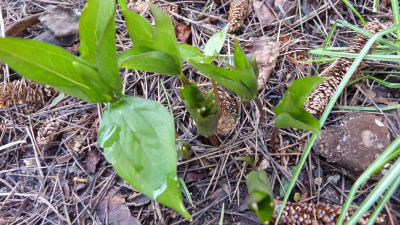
(261, 197)
(203, 109)
(290, 113)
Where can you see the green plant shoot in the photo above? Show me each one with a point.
(138, 135)
(261, 196)
(290, 113)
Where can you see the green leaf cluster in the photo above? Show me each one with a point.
(138, 135)
(290, 112)
(261, 197)
(241, 79)
(204, 109)
(92, 77)
(156, 49)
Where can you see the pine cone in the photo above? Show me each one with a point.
(48, 132)
(229, 115)
(237, 14)
(310, 213)
(321, 96)
(23, 91)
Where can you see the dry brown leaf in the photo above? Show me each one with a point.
(265, 15)
(267, 52)
(91, 161)
(17, 27)
(116, 210)
(229, 114)
(183, 33)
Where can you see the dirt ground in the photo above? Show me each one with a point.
(53, 172)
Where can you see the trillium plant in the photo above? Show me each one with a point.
(138, 135)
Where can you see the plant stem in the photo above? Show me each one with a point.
(261, 119)
(185, 81)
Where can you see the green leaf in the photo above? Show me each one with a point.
(54, 66)
(164, 35)
(303, 121)
(107, 57)
(240, 58)
(155, 62)
(253, 64)
(215, 43)
(227, 78)
(261, 197)
(129, 53)
(290, 113)
(94, 21)
(138, 137)
(203, 109)
(140, 30)
(189, 52)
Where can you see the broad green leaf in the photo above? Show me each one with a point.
(240, 58)
(129, 53)
(305, 121)
(155, 62)
(299, 92)
(122, 4)
(189, 52)
(164, 35)
(215, 43)
(248, 78)
(261, 196)
(227, 78)
(138, 137)
(140, 30)
(54, 66)
(290, 113)
(302, 88)
(107, 57)
(94, 20)
(203, 109)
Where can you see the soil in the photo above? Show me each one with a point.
(68, 181)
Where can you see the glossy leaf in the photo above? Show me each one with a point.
(154, 61)
(164, 38)
(94, 20)
(54, 66)
(140, 30)
(290, 113)
(138, 137)
(188, 52)
(261, 197)
(215, 43)
(107, 57)
(203, 109)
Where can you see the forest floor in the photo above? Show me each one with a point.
(53, 172)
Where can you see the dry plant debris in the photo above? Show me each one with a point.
(229, 114)
(321, 96)
(20, 92)
(237, 14)
(266, 60)
(324, 214)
